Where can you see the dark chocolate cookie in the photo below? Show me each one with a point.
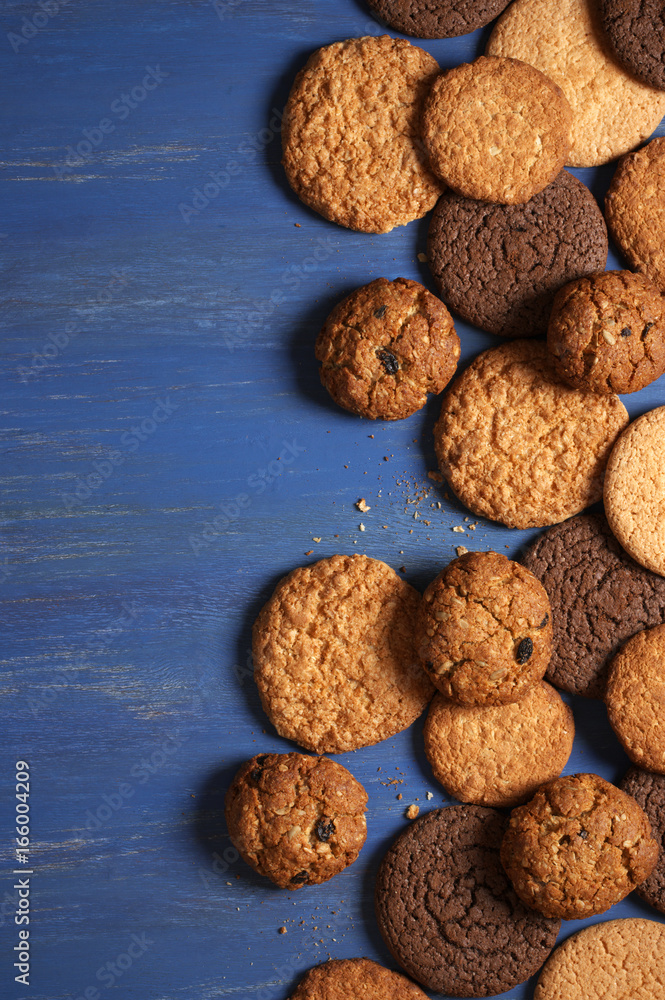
(649, 791)
(599, 598)
(437, 18)
(635, 30)
(447, 911)
(499, 266)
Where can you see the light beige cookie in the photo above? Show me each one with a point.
(635, 210)
(614, 960)
(612, 111)
(357, 978)
(634, 490)
(635, 698)
(498, 755)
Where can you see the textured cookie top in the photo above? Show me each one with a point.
(298, 820)
(498, 755)
(607, 332)
(614, 960)
(496, 129)
(634, 491)
(635, 210)
(499, 266)
(579, 846)
(351, 133)
(599, 597)
(357, 978)
(635, 698)
(485, 630)
(648, 790)
(385, 347)
(612, 111)
(334, 655)
(446, 909)
(437, 18)
(520, 447)
(635, 30)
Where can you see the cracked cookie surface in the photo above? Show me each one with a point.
(485, 630)
(447, 912)
(437, 18)
(357, 978)
(579, 846)
(635, 697)
(635, 30)
(385, 347)
(297, 820)
(648, 790)
(635, 210)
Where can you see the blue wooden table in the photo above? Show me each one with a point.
(168, 455)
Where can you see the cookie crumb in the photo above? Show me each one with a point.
(281, 930)
(399, 795)
(436, 476)
(412, 812)
(361, 527)
(422, 257)
(461, 550)
(316, 539)
(430, 795)
(309, 553)
(362, 505)
(459, 528)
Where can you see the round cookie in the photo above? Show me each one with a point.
(599, 598)
(437, 18)
(520, 447)
(648, 790)
(498, 755)
(612, 111)
(447, 911)
(297, 820)
(634, 491)
(499, 266)
(614, 960)
(341, 979)
(635, 210)
(635, 697)
(635, 30)
(351, 134)
(496, 129)
(334, 655)
(579, 846)
(607, 332)
(385, 347)
(484, 630)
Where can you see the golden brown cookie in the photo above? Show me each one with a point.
(634, 490)
(612, 111)
(351, 133)
(614, 960)
(496, 129)
(357, 978)
(635, 698)
(297, 820)
(635, 210)
(334, 655)
(484, 630)
(579, 846)
(498, 755)
(385, 347)
(607, 332)
(519, 446)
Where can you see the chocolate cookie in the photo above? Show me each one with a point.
(635, 30)
(599, 598)
(343, 979)
(499, 266)
(579, 846)
(607, 332)
(437, 18)
(484, 630)
(635, 697)
(648, 790)
(385, 347)
(447, 911)
(298, 820)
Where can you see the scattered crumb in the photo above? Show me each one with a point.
(430, 795)
(309, 553)
(412, 812)
(316, 539)
(297, 225)
(438, 504)
(436, 476)
(386, 458)
(282, 930)
(461, 550)
(370, 435)
(362, 505)
(399, 795)
(402, 569)
(472, 527)
(422, 257)
(415, 515)
(459, 528)
(362, 527)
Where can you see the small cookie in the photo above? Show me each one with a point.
(297, 820)
(607, 332)
(342, 979)
(484, 630)
(614, 960)
(635, 210)
(648, 790)
(496, 129)
(635, 30)
(437, 18)
(634, 491)
(579, 846)
(351, 134)
(520, 447)
(612, 111)
(447, 911)
(599, 598)
(635, 697)
(385, 347)
(499, 266)
(498, 755)
(334, 655)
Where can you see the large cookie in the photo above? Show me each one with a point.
(499, 266)
(648, 790)
(635, 30)
(635, 697)
(635, 210)
(437, 18)
(357, 978)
